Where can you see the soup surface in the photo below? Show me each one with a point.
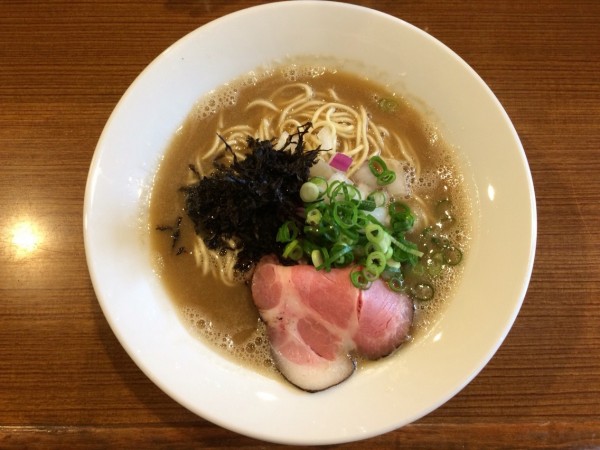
(218, 308)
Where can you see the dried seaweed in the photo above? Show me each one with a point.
(175, 233)
(246, 202)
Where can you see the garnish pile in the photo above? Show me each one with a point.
(242, 206)
(339, 230)
(267, 204)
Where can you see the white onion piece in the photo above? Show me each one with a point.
(339, 176)
(399, 187)
(421, 218)
(326, 139)
(382, 215)
(365, 177)
(321, 169)
(364, 190)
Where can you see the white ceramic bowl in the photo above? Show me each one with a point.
(386, 395)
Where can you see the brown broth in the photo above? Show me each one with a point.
(225, 316)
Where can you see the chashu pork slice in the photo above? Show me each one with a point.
(316, 320)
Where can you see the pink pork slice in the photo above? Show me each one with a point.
(317, 319)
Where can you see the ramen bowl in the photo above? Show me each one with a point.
(380, 397)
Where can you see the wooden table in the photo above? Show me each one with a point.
(65, 382)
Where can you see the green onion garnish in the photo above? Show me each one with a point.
(313, 217)
(422, 291)
(386, 178)
(379, 197)
(345, 213)
(359, 280)
(287, 232)
(375, 262)
(309, 192)
(377, 166)
(339, 231)
(321, 184)
(452, 255)
(293, 250)
(396, 284)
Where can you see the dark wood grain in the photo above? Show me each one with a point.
(65, 382)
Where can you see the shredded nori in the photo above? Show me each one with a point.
(247, 201)
(175, 233)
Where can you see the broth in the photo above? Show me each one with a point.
(225, 316)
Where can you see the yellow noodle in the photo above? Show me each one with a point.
(333, 94)
(210, 261)
(201, 256)
(308, 91)
(408, 154)
(264, 103)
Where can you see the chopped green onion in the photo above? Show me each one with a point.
(321, 183)
(380, 170)
(396, 284)
(387, 105)
(362, 220)
(313, 217)
(369, 274)
(393, 265)
(398, 209)
(341, 255)
(427, 232)
(316, 257)
(375, 221)
(359, 280)
(387, 177)
(377, 166)
(376, 262)
(400, 226)
(452, 255)
(339, 231)
(434, 264)
(404, 247)
(389, 252)
(326, 263)
(374, 233)
(443, 210)
(287, 232)
(386, 242)
(371, 247)
(331, 188)
(308, 247)
(441, 242)
(309, 192)
(331, 233)
(343, 192)
(422, 291)
(418, 269)
(345, 213)
(401, 217)
(293, 250)
(379, 197)
(348, 236)
(367, 205)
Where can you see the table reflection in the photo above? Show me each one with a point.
(25, 237)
